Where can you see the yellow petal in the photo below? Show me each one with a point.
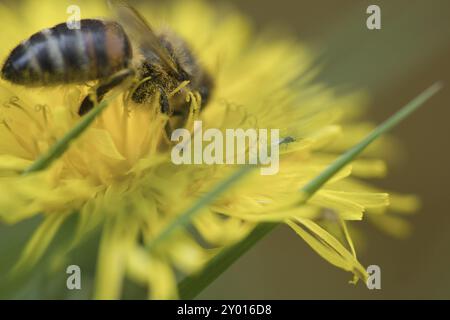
(39, 242)
(328, 247)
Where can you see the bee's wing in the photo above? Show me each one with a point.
(138, 29)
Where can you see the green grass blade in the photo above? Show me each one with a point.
(192, 285)
(61, 146)
(186, 217)
(387, 125)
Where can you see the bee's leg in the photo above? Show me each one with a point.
(166, 109)
(164, 101)
(147, 90)
(103, 89)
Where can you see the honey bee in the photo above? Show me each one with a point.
(111, 52)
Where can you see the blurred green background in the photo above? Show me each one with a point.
(393, 65)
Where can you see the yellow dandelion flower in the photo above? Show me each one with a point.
(118, 177)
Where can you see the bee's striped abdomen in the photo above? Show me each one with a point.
(61, 55)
